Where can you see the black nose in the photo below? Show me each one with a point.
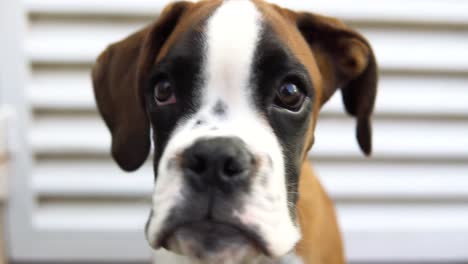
(223, 163)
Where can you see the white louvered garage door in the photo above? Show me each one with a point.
(409, 202)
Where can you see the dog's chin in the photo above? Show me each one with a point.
(209, 242)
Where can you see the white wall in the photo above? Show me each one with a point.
(408, 202)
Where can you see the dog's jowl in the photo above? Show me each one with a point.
(229, 93)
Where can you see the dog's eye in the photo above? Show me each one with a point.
(288, 95)
(163, 93)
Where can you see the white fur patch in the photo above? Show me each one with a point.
(231, 38)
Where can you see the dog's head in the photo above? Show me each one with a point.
(230, 92)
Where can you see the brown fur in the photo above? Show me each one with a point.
(196, 12)
(117, 80)
(321, 240)
(334, 55)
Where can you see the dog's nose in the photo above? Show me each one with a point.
(223, 163)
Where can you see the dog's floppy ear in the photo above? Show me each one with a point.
(346, 61)
(118, 77)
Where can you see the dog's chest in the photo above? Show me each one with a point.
(166, 257)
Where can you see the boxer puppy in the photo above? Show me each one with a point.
(230, 93)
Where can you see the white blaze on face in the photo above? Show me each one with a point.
(231, 38)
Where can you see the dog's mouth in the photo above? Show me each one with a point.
(212, 240)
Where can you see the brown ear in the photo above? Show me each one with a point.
(118, 76)
(346, 61)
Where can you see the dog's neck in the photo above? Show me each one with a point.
(166, 257)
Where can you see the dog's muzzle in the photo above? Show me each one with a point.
(216, 172)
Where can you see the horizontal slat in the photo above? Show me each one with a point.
(393, 138)
(72, 135)
(376, 181)
(409, 49)
(59, 88)
(416, 95)
(423, 11)
(118, 216)
(406, 247)
(89, 7)
(90, 179)
(403, 217)
(335, 137)
(75, 41)
(414, 49)
(91, 246)
(371, 181)
(393, 233)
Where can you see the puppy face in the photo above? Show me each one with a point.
(231, 91)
